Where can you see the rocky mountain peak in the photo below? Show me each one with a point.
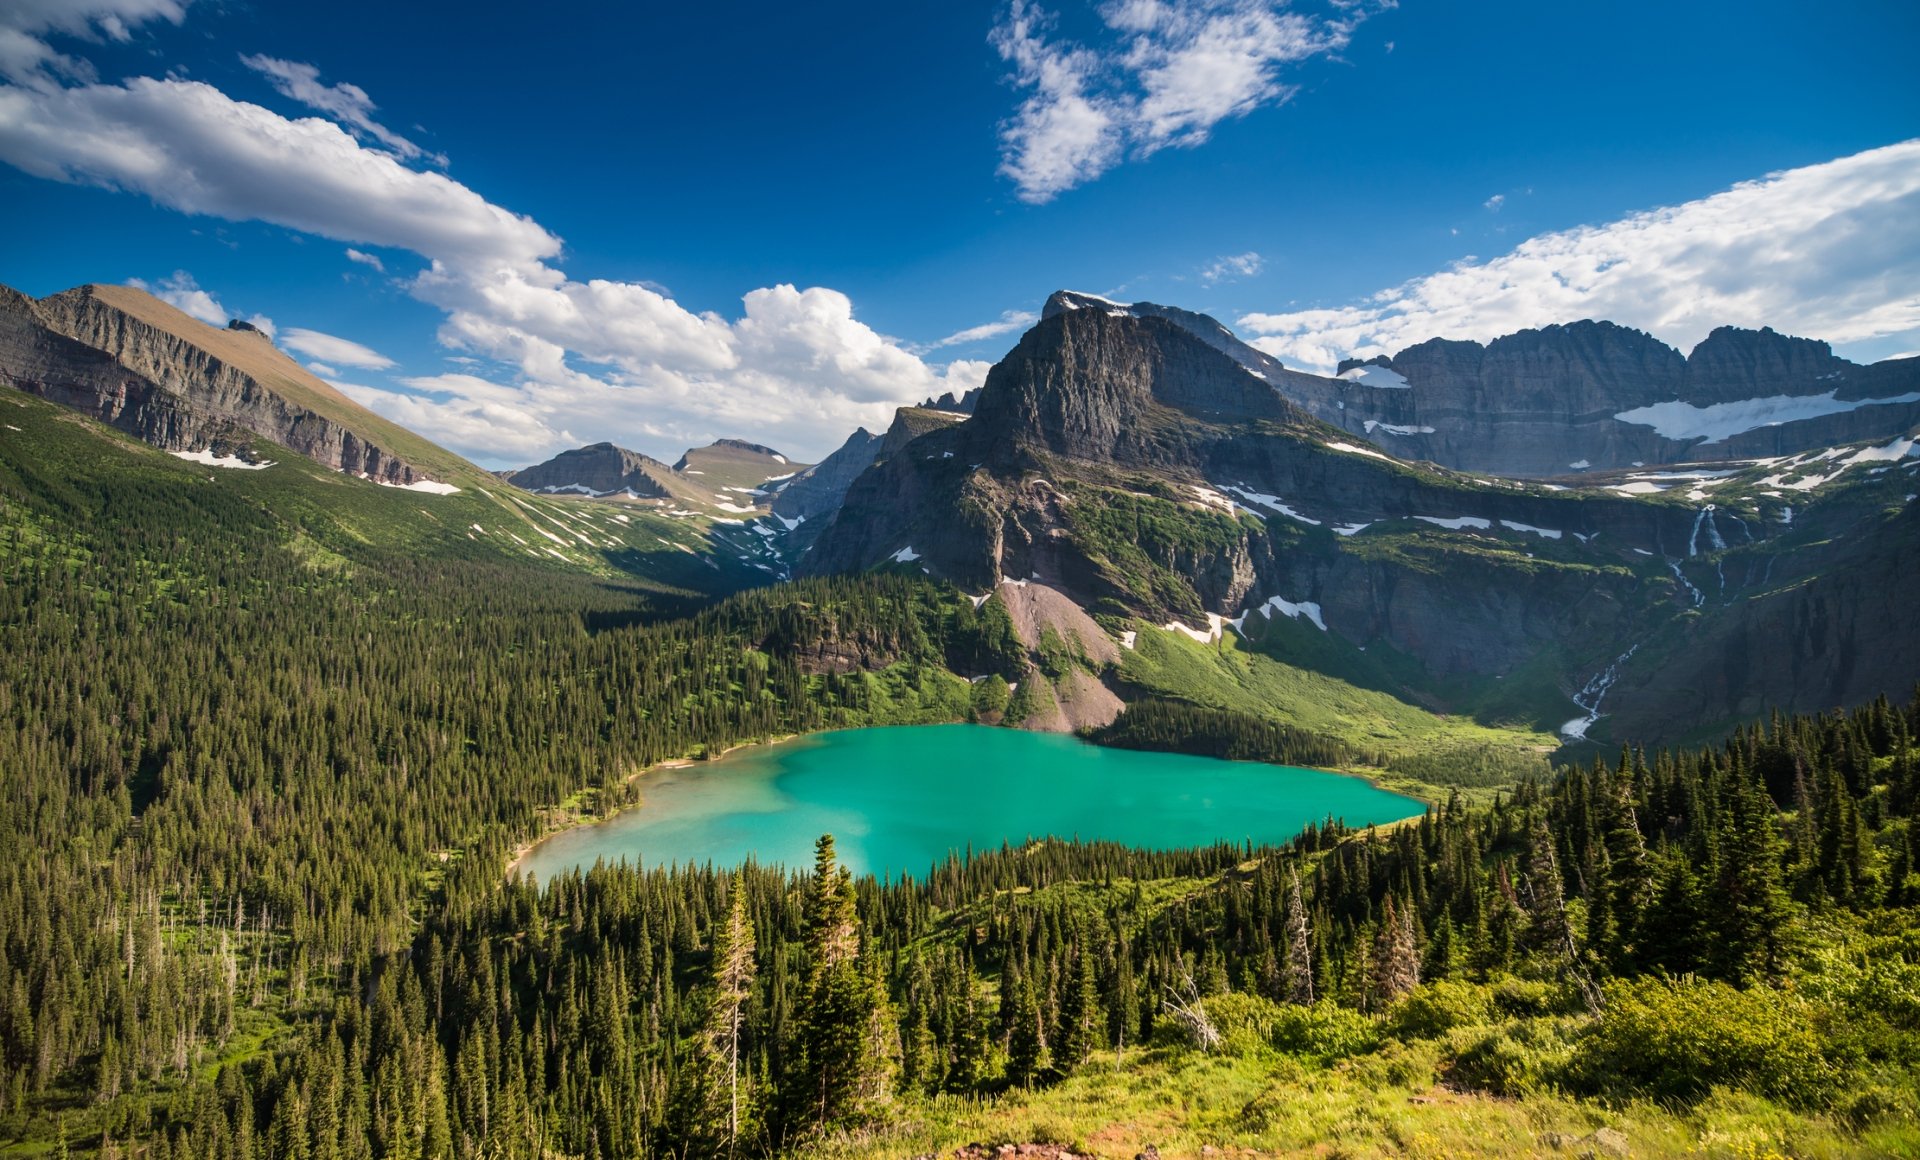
(1085, 383)
(743, 445)
(1733, 363)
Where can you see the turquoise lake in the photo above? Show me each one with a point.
(898, 799)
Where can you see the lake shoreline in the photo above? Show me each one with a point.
(524, 851)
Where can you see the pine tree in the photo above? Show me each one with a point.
(1396, 959)
(1081, 1018)
(1026, 1041)
(847, 1039)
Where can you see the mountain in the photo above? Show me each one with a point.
(736, 465)
(1585, 395)
(132, 361)
(800, 504)
(1165, 487)
(598, 469)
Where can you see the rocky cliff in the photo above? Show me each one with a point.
(1153, 478)
(1581, 396)
(134, 362)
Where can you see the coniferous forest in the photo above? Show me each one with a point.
(262, 791)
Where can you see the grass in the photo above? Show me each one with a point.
(1231, 674)
(1387, 1104)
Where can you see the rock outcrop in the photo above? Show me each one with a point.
(137, 364)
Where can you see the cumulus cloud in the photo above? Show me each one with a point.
(331, 348)
(1165, 74)
(1231, 268)
(26, 57)
(1008, 322)
(366, 259)
(618, 360)
(344, 102)
(180, 291)
(1828, 251)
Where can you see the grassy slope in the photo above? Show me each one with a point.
(330, 518)
(1386, 1104)
(1235, 674)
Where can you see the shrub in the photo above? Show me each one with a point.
(1676, 1039)
(1518, 1058)
(1433, 1009)
(1323, 1032)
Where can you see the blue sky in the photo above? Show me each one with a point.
(658, 224)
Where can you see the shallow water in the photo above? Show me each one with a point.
(897, 800)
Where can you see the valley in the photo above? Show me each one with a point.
(277, 728)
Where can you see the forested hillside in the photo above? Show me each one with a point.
(264, 774)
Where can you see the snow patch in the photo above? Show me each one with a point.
(1896, 450)
(1272, 502)
(1351, 529)
(1637, 487)
(1678, 420)
(1214, 623)
(1214, 499)
(735, 508)
(1580, 464)
(1370, 375)
(431, 487)
(1373, 425)
(1128, 638)
(1291, 610)
(905, 555)
(209, 459)
(1458, 522)
(1351, 449)
(1544, 533)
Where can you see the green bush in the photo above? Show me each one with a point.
(1676, 1039)
(1433, 1009)
(1515, 1059)
(1323, 1032)
(1525, 998)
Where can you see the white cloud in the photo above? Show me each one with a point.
(334, 349)
(344, 102)
(323, 370)
(1495, 202)
(611, 359)
(25, 25)
(366, 259)
(181, 292)
(1231, 268)
(263, 324)
(1008, 322)
(1170, 71)
(1828, 251)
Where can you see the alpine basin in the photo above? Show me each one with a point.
(899, 799)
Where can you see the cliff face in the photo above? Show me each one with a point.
(1549, 402)
(1147, 474)
(818, 490)
(139, 365)
(1592, 395)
